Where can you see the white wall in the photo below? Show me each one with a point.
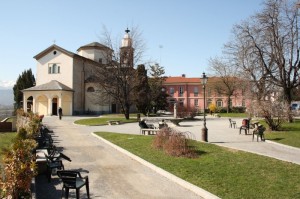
(66, 69)
(94, 54)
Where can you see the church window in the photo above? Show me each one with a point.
(100, 60)
(90, 89)
(53, 69)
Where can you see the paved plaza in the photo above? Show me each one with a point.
(113, 174)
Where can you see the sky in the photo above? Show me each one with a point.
(180, 35)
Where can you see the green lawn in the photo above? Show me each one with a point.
(289, 134)
(103, 120)
(225, 172)
(240, 115)
(5, 141)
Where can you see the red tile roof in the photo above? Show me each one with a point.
(179, 79)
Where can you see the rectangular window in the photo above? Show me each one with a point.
(53, 69)
(208, 92)
(181, 90)
(196, 103)
(219, 103)
(196, 91)
(172, 92)
(181, 102)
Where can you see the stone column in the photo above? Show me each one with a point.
(49, 106)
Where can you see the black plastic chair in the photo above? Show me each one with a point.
(245, 126)
(73, 180)
(53, 165)
(259, 132)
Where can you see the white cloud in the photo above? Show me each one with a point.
(4, 84)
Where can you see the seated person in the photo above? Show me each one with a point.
(162, 124)
(143, 124)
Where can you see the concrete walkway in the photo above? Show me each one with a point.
(112, 174)
(115, 175)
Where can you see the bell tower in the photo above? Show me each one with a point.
(126, 50)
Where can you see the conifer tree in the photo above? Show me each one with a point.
(25, 80)
(142, 90)
(158, 95)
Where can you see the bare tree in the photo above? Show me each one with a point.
(266, 47)
(115, 73)
(228, 82)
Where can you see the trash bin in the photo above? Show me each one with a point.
(138, 117)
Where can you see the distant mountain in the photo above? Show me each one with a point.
(6, 97)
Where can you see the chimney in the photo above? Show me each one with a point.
(183, 75)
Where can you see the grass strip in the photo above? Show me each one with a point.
(102, 121)
(224, 172)
(6, 139)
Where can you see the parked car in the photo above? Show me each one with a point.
(295, 106)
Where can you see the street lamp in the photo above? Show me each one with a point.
(204, 129)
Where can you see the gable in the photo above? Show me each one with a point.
(53, 48)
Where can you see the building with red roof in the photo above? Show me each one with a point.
(188, 93)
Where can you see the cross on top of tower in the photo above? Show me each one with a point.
(127, 30)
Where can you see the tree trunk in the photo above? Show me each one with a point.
(228, 104)
(126, 111)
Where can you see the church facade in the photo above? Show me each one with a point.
(65, 79)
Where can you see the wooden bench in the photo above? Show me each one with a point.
(149, 131)
(111, 122)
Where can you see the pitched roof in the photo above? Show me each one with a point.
(180, 79)
(94, 45)
(52, 47)
(50, 86)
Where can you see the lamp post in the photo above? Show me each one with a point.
(204, 129)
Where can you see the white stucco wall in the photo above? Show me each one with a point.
(66, 72)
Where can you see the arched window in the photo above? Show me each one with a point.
(53, 69)
(90, 89)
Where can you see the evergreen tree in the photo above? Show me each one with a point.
(141, 90)
(158, 95)
(25, 80)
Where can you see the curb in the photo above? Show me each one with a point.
(197, 190)
(283, 145)
(235, 148)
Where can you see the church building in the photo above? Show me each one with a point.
(65, 79)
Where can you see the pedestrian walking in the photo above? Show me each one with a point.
(60, 112)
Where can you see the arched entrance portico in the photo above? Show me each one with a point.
(46, 98)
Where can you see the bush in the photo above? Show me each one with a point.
(174, 143)
(19, 160)
(19, 169)
(221, 110)
(183, 112)
(238, 109)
